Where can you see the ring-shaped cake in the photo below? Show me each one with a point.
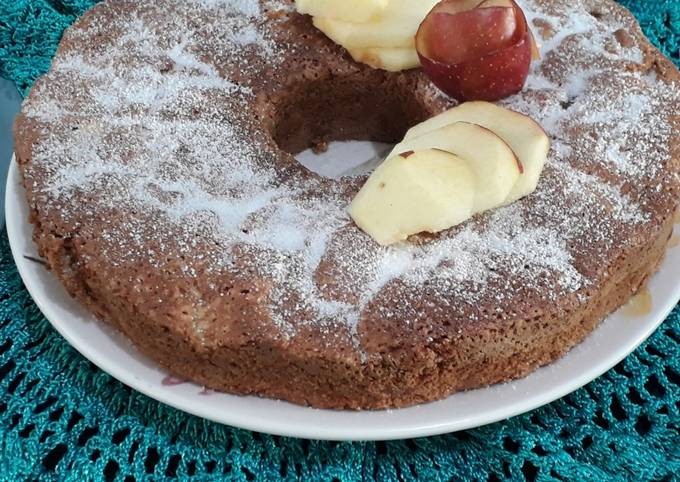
(157, 157)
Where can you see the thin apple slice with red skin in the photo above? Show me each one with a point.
(484, 29)
(475, 54)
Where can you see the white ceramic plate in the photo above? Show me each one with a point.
(609, 344)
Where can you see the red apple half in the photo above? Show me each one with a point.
(476, 52)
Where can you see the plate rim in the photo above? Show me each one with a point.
(342, 432)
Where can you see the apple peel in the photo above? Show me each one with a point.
(490, 29)
(481, 52)
(535, 50)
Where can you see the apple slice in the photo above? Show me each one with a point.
(490, 159)
(414, 10)
(381, 33)
(395, 27)
(357, 11)
(525, 137)
(428, 190)
(392, 59)
(481, 52)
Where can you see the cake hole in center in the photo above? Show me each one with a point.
(345, 158)
(357, 117)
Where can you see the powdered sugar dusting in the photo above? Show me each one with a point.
(158, 124)
(245, 8)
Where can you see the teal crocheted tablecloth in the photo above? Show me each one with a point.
(62, 418)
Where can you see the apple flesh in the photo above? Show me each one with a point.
(348, 10)
(481, 52)
(393, 59)
(526, 138)
(428, 190)
(474, 157)
(396, 26)
(413, 10)
(382, 32)
(493, 163)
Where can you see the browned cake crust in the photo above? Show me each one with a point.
(156, 160)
